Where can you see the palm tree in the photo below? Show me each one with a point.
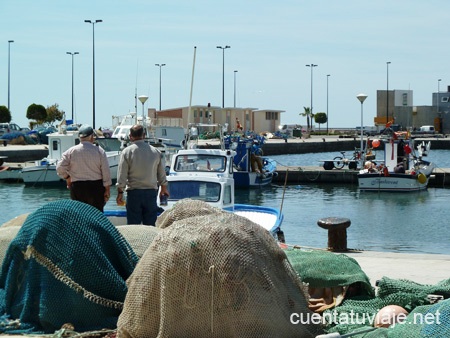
(307, 113)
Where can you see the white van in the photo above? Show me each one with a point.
(427, 130)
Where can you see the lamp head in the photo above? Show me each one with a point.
(361, 97)
(143, 98)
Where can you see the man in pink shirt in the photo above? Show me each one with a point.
(86, 170)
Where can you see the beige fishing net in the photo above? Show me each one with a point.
(213, 274)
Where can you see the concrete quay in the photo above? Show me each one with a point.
(420, 268)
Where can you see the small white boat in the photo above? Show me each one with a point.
(44, 171)
(122, 130)
(403, 168)
(207, 175)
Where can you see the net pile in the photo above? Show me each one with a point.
(139, 236)
(330, 277)
(67, 264)
(407, 294)
(213, 274)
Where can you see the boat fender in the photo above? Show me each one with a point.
(422, 178)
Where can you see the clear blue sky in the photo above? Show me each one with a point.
(271, 42)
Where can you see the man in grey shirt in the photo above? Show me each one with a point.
(141, 173)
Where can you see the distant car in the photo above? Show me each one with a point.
(25, 130)
(6, 128)
(427, 130)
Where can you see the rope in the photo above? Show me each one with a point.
(211, 270)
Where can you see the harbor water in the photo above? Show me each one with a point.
(394, 222)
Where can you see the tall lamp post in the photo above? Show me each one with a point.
(387, 91)
(9, 70)
(160, 65)
(143, 98)
(439, 89)
(235, 88)
(311, 108)
(223, 73)
(72, 54)
(93, 22)
(328, 76)
(361, 98)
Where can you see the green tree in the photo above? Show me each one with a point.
(37, 112)
(54, 114)
(320, 118)
(5, 114)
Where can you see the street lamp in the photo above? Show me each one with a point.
(439, 82)
(387, 91)
(160, 65)
(72, 54)
(235, 88)
(93, 22)
(223, 73)
(143, 98)
(361, 98)
(9, 69)
(328, 76)
(311, 108)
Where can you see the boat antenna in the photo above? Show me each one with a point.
(192, 85)
(284, 189)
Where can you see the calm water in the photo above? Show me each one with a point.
(412, 222)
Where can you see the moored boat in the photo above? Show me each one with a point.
(207, 175)
(403, 168)
(251, 168)
(44, 171)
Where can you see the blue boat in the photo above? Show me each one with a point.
(251, 168)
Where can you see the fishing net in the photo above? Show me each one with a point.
(214, 275)
(330, 277)
(67, 264)
(357, 314)
(139, 236)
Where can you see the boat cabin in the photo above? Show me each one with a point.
(202, 174)
(60, 142)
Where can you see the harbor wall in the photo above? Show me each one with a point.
(319, 146)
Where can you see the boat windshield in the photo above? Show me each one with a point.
(204, 191)
(198, 162)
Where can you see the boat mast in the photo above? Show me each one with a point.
(192, 86)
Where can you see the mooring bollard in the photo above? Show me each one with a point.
(337, 232)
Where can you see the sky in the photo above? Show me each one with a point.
(271, 42)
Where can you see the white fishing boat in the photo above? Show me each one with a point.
(207, 175)
(403, 168)
(125, 122)
(44, 171)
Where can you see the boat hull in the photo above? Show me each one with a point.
(45, 173)
(392, 183)
(269, 218)
(250, 179)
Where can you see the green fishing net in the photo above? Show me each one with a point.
(67, 264)
(357, 314)
(326, 269)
